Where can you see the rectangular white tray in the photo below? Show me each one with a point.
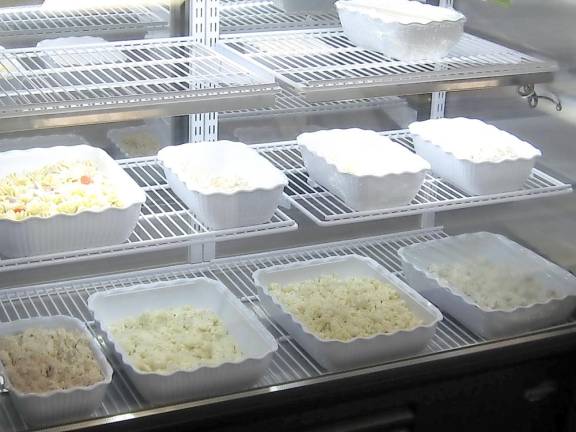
(59, 233)
(475, 178)
(334, 354)
(42, 409)
(254, 340)
(224, 210)
(467, 248)
(403, 29)
(327, 152)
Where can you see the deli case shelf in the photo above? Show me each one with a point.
(322, 65)
(435, 195)
(122, 81)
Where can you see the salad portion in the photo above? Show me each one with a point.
(62, 188)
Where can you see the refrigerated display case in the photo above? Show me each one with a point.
(205, 70)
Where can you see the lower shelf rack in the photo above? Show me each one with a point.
(291, 363)
(165, 222)
(436, 194)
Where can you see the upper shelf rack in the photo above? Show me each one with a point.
(122, 81)
(322, 64)
(37, 23)
(435, 195)
(239, 16)
(165, 222)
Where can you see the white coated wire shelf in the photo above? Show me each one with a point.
(240, 16)
(42, 23)
(120, 81)
(323, 64)
(291, 363)
(288, 102)
(165, 222)
(435, 195)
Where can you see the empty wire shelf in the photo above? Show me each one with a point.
(37, 23)
(291, 363)
(165, 222)
(289, 102)
(240, 16)
(323, 64)
(435, 195)
(121, 81)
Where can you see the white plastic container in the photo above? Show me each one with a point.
(41, 409)
(140, 141)
(300, 6)
(254, 340)
(335, 354)
(403, 29)
(486, 322)
(477, 157)
(62, 232)
(366, 170)
(225, 159)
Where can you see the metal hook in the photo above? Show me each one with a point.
(528, 92)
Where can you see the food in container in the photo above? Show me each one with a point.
(476, 157)
(168, 380)
(58, 199)
(491, 284)
(226, 184)
(366, 170)
(404, 29)
(347, 311)
(53, 368)
(143, 140)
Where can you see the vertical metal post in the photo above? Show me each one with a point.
(179, 26)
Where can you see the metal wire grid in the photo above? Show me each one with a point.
(165, 222)
(38, 22)
(324, 59)
(288, 102)
(120, 74)
(249, 16)
(291, 363)
(436, 194)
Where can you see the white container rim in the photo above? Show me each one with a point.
(166, 157)
(251, 319)
(448, 287)
(99, 356)
(425, 166)
(415, 129)
(397, 283)
(378, 11)
(138, 198)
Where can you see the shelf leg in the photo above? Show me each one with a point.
(428, 220)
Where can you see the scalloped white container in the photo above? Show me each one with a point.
(358, 352)
(488, 323)
(475, 178)
(299, 6)
(224, 210)
(254, 340)
(59, 233)
(157, 130)
(42, 409)
(390, 176)
(403, 29)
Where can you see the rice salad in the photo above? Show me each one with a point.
(175, 339)
(42, 360)
(343, 309)
(493, 286)
(61, 188)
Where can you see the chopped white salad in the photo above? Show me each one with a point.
(214, 183)
(345, 308)
(60, 188)
(43, 360)
(493, 286)
(175, 339)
